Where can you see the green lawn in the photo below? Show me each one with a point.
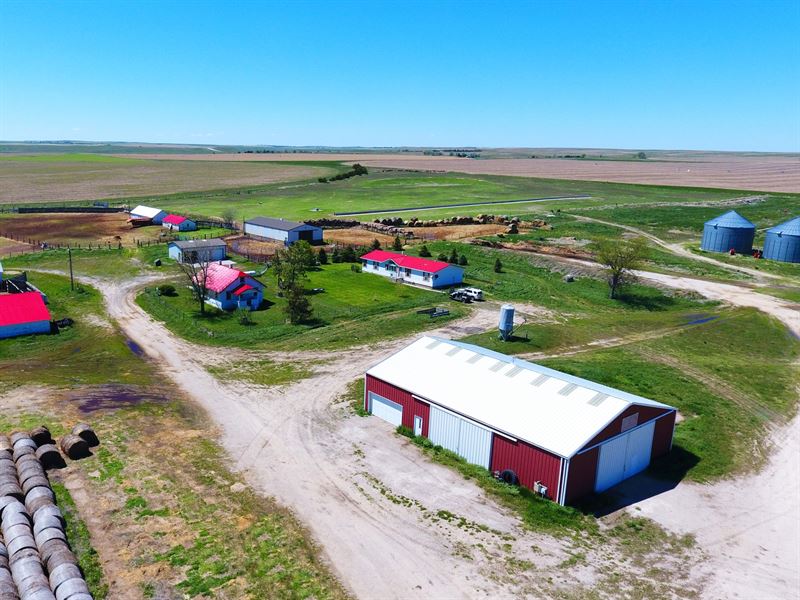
(784, 269)
(84, 353)
(732, 379)
(113, 264)
(356, 308)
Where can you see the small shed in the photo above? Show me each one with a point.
(178, 223)
(730, 231)
(782, 242)
(412, 269)
(142, 212)
(560, 435)
(23, 314)
(193, 251)
(281, 230)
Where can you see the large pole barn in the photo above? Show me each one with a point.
(557, 434)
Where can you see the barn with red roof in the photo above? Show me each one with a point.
(229, 289)
(23, 314)
(412, 269)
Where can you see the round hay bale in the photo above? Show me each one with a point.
(23, 555)
(8, 590)
(61, 556)
(17, 435)
(81, 597)
(74, 447)
(45, 522)
(51, 533)
(34, 482)
(85, 431)
(3, 550)
(50, 457)
(41, 435)
(28, 470)
(11, 489)
(14, 518)
(9, 533)
(24, 441)
(21, 542)
(49, 510)
(50, 548)
(71, 587)
(11, 505)
(63, 572)
(37, 498)
(42, 594)
(20, 451)
(25, 458)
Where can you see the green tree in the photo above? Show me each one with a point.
(336, 255)
(298, 308)
(453, 259)
(621, 258)
(424, 251)
(322, 256)
(349, 255)
(442, 257)
(397, 245)
(462, 260)
(498, 266)
(376, 245)
(641, 156)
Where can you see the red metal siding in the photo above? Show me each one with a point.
(531, 464)
(411, 406)
(581, 475)
(646, 413)
(662, 436)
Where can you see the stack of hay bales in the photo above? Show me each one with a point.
(36, 562)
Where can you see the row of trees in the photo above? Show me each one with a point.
(354, 172)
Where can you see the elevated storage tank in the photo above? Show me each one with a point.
(728, 231)
(783, 242)
(506, 321)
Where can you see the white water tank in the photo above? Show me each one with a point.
(506, 325)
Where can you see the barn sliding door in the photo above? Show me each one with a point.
(467, 439)
(624, 456)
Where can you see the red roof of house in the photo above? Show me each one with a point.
(407, 262)
(241, 290)
(27, 307)
(173, 220)
(219, 277)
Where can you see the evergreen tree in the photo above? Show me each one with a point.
(398, 244)
(462, 260)
(498, 266)
(453, 259)
(322, 256)
(424, 251)
(376, 245)
(442, 257)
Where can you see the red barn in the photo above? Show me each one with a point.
(560, 435)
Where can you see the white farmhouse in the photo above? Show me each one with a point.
(412, 269)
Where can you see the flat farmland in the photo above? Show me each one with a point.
(76, 228)
(68, 177)
(745, 171)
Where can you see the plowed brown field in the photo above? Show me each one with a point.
(771, 173)
(76, 227)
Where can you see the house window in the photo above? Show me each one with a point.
(408, 272)
(426, 276)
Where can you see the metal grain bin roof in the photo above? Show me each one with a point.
(790, 227)
(731, 220)
(782, 242)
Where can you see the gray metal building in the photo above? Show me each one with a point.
(281, 230)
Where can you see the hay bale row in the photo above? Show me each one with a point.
(40, 563)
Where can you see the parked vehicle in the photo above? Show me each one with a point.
(460, 296)
(470, 292)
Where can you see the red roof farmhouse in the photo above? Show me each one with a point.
(560, 435)
(229, 288)
(412, 269)
(23, 314)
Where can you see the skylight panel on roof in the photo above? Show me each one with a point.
(497, 366)
(540, 380)
(433, 344)
(474, 358)
(453, 351)
(568, 389)
(514, 371)
(598, 399)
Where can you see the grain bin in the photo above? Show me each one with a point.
(506, 325)
(783, 242)
(727, 232)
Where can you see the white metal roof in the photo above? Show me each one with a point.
(146, 211)
(549, 409)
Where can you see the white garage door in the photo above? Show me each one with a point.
(384, 408)
(624, 456)
(467, 439)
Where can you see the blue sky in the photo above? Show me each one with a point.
(691, 75)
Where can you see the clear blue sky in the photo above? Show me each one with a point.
(692, 75)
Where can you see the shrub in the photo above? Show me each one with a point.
(453, 258)
(406, 431)
(322, 256)
(498, 266)
(442, 257)
(166, 289)
(244, 317)
(376, 245)
(355, 268)
(424, 251)
(397, 245)
(323, 180)
(462, 260)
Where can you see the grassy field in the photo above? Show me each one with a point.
(90, 351)
(354, 309)
(111, 263)
(789, 270)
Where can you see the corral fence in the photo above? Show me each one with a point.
(68, 209)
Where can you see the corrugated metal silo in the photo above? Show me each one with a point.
(728, 231)
(506, 325)
(783, 242)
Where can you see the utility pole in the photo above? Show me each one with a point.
(71, 279)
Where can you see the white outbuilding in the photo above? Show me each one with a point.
(156, 215)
